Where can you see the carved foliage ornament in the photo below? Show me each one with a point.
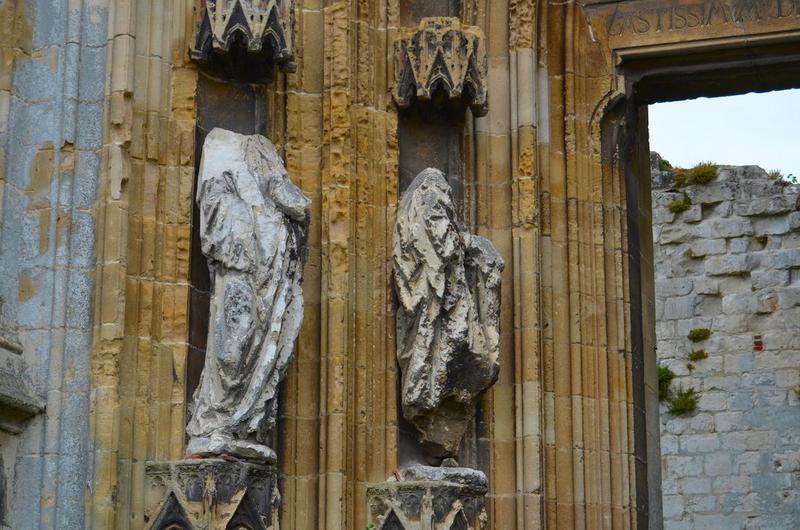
(441, 54)
(219, 23)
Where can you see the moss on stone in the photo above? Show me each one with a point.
(680, 205)
(698, 334)
(698, 355)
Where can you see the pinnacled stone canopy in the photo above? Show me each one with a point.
(448, 287)
(441, 54)
(253, 23)
(253, 228)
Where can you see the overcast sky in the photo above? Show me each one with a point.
(758, 129)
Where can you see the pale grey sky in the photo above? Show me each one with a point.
(759, 129)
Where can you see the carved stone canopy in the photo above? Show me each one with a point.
(441, 55)
(253, 23)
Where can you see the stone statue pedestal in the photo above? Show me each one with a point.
(440, 498)
(212, 494)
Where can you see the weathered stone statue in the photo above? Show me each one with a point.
(448, 287)
(253, 227)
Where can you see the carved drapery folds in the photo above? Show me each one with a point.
(441, 55)
(253, 226)
(448, 288)
(253, 23)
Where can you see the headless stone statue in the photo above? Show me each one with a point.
(253, 228)
(448, 287)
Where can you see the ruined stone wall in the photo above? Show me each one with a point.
(730, 263)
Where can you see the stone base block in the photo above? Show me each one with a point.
(430, 498)
(211, 494)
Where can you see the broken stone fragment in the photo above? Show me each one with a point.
(448, 288)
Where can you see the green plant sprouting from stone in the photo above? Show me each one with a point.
(683, 401)
(665, 377)
(702, 173)
(698, 334)
(680, 205)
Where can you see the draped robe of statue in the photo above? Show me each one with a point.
(448, 288)
(253, 227)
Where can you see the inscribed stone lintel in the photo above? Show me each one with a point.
(223, 24)
(211, 494)
(430, 497)
(441, 55)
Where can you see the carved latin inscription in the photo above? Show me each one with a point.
(677, 17)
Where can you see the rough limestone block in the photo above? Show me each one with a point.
(693, 215)
(675, 234)
(766, 303)
(705, 286)
(711, 193)
(699, 443)
(448, 288)
(662, 216)
(704, 247)
(253, 228)
(728, 264)
(735, 304)
(679, 307)
(732, 227)
(766, 279)
(674, 286)
(738, 245)
(782, 259)
(772, 225)
(765, 206)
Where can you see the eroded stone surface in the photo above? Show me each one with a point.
(441, 54)
(430, 497)
(448, 287)
(211, 494)
(253, 225)
(259, 24)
